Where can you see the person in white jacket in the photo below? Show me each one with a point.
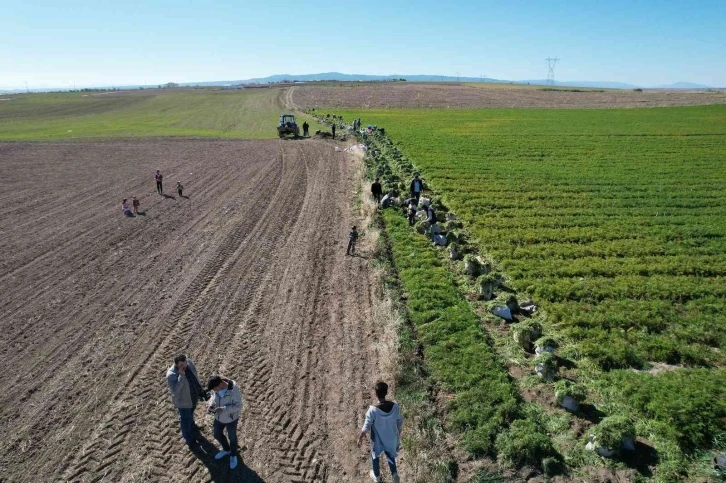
(384, 422)
(226, 405)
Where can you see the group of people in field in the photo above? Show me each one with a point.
(415, 190)
(223, 397)
(159, 189)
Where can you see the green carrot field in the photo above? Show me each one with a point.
(147, 113)
(614, 222)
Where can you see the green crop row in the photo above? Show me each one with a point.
(631, 201)
(615, 222)
(458, 354)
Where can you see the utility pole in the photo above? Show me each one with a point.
(551, 63)
(458, 74)
(27, 91)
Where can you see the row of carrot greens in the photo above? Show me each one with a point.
(614, 222)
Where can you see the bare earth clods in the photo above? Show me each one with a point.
(248, 275)
(462, 96)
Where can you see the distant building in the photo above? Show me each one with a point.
(170, 85)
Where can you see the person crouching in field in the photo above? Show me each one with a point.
(384, 422)
(179, 188)
(226, 405)
(125, 208)
(185, 391)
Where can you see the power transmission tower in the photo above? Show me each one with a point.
(551, 63)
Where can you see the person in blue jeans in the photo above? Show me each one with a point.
(183, 382)
(226, 405)
(384, 422)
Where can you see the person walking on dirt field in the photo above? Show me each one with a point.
(186, 391)
(352, 238)
(377, 191)
(159, 177)
(384, 422)
(226, 405)
(136, 204)
(416, 187)
(333, 130)
(306, 126)
(179, 188)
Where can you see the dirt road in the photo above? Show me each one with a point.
(248, 276)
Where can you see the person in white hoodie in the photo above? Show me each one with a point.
(226, 405)
(384, 422)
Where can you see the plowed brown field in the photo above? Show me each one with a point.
(463, 96)
(248, 276)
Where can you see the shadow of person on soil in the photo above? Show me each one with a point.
(140, 213)
(591, 413)
(642, 460)
(219, 470)
(184, 196)
(566, 363)
(365, 257)
(169, 196)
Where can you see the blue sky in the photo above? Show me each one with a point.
(54, 43)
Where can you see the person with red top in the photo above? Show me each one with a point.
(159, 177)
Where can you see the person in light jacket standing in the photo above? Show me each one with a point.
(183, 381)
(384, 422)
(226, 405)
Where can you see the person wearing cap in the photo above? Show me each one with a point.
(226, 405)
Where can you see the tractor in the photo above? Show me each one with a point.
(288, 126)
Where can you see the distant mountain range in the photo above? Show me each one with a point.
(337, 76)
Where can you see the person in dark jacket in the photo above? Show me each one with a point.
(431, 219)
(333, 130)
(183, 381)
(352, 238)
(306, 126)
(159, 182)
(411, 212)
(416, 188)
(377, 191)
